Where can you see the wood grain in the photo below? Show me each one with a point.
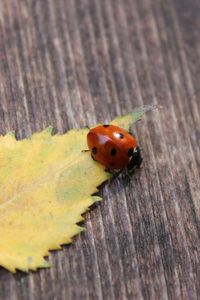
(71, 63)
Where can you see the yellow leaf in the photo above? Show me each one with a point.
(46, 184)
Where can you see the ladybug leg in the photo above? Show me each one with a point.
(87, 150)
(135, 161)
(93, 157)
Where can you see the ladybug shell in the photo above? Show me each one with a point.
(111, 146)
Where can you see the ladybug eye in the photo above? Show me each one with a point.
(118, 135)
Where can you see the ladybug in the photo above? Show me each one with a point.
(114, 147)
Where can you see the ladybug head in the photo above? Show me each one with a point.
(135, 160)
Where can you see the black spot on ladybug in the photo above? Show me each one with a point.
(130, 152)
(113, 151)
(106, 125)
(112, 164)
(94, 150)
(93, 158)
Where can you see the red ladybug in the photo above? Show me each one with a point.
(114, 147)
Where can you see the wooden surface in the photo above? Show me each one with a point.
(72, 63)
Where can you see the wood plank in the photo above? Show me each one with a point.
(71, 63)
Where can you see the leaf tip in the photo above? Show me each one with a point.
(96, 199)
(81, 229)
